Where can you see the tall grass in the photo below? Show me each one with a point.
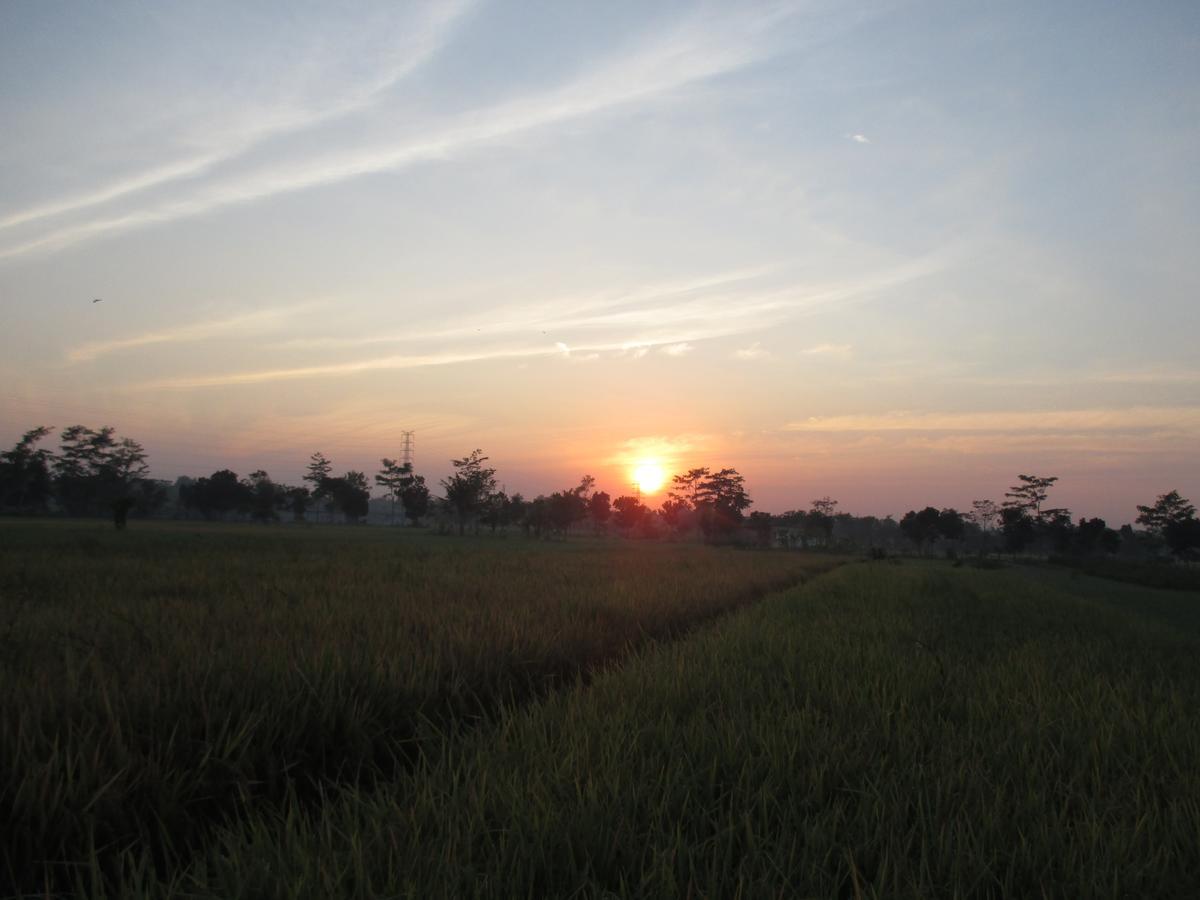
(909, 731)
(163, 680)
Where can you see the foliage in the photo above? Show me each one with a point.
(920, 527)
(415, 497)
(1029, 495)
(984, 514)
(25, 480)
(469, 487)
(393, 477)
(95, 471)
(599, 509)
(628, 512)
(1169, 507)
(1017, 527)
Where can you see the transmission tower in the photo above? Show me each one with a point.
(406, 449)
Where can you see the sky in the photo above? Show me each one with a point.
(894, 253)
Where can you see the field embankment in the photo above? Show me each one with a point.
(163, 680)
(885, 731)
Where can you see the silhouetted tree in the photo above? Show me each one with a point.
(984, 514)
(350, 494)
(318, 476)
(1168, 508)
(393, 477)
(676, 512)
(720, 500)
(1030, 494)
(26, 485)
(600, 509)
(1056, 529)
(950, 525)
(1017, 526)
(921, 527)
(297, 501)
(1182, 535)
(1094, 537)
(536, 518)
(686, 487)
(266, 497)
(565, 508)
(819, 521)
(468, 488)
(415, 497)
(95, 472)
(760, 524)
(628, 513)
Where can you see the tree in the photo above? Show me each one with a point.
(819, 520)
(677, 514)
(628, 513)
(393, 477)
(96, 472)
(720, 500)
(469, 487)
(415, 498)
(1055, 527)
(984, 514)
(950, 525)
(687, 486)
(825, 506)
(536, 518)
(1017, 526)
(266, 497)
(921, 527)
(1030, 494)
(25, 481)
(1093, 536)
(297, 501)
(1168, 508)
(1182, 535)
(565, 508)
(760, 524)
(78, 468)
(350, 494)
(319, 475)
(600, 509)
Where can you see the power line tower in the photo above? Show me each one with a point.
(406, 449)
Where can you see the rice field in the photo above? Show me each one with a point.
(879, 730)
(161, 681)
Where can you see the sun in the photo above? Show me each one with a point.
(649, 477)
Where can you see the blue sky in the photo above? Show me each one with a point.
(894, 252)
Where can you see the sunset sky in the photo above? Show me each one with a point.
(895, 253)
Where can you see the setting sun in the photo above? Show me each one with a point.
(649, 477)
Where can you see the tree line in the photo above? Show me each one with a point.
(95, 472)
(1023, 522)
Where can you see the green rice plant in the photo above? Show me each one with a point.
(162, 681)
(914, 732)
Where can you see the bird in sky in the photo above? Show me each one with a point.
(98, 300)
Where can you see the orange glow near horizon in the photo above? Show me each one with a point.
(649, 476)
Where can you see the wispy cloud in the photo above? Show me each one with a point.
(245, 324)
(680, 349)
(1141, 418)
(420, 41)
(828, 350)
(552, 317)
(673, 328)
(754, 351)
(700, 49)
